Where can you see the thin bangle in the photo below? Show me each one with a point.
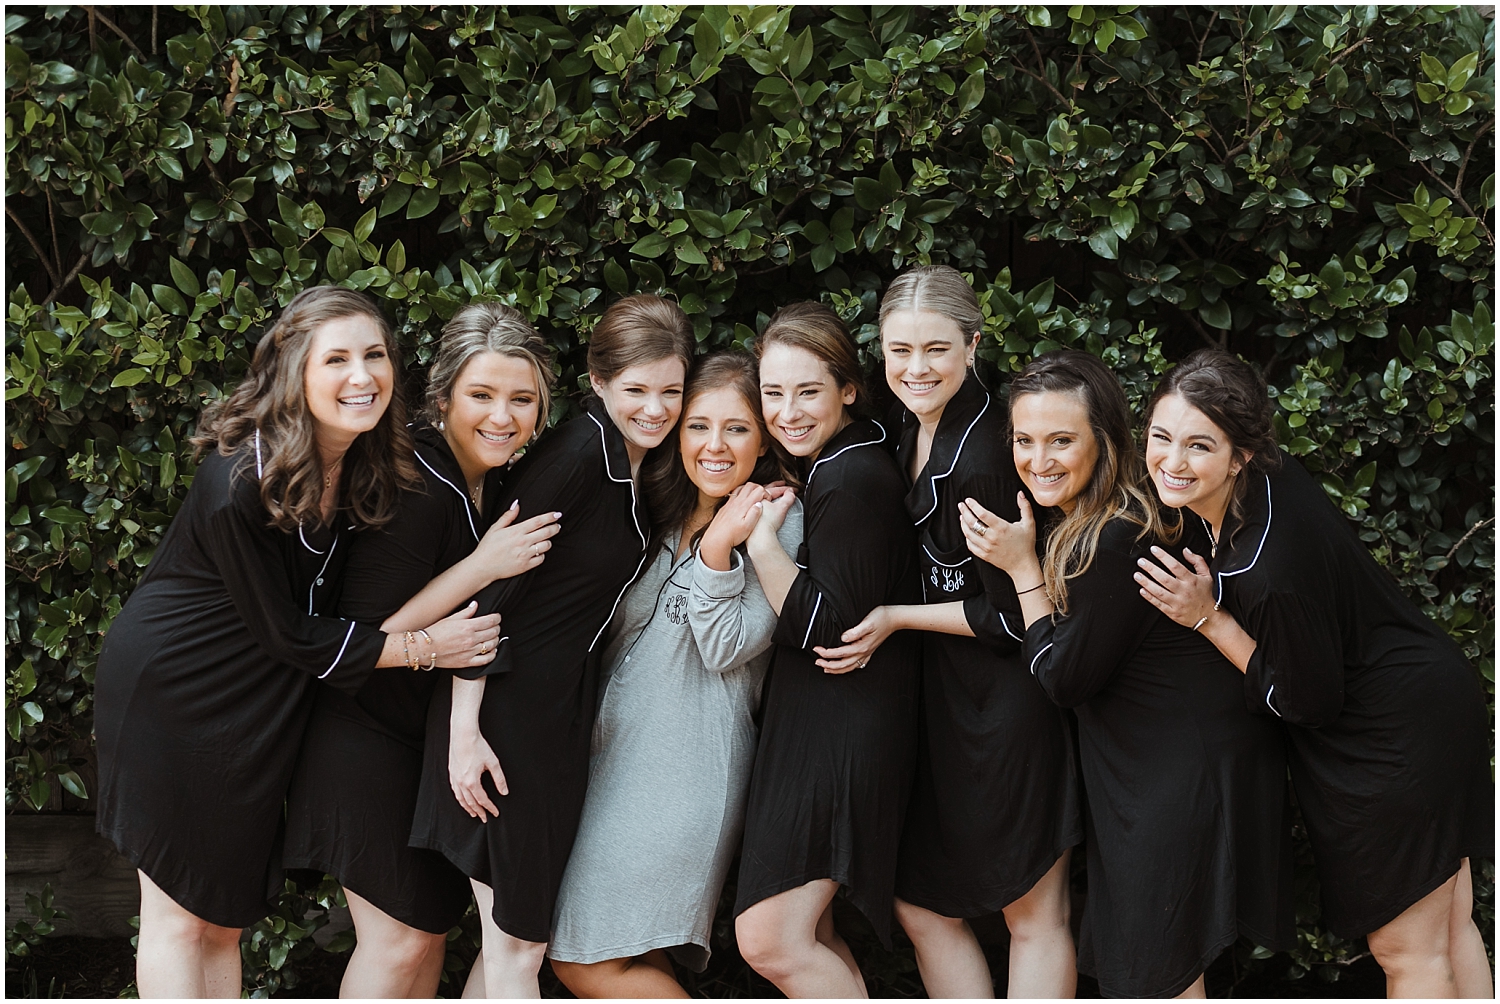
(431, 648)
(1033, 588)
(1204, 619)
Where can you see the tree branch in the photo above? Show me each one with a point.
(1210, 340)
(94, 12)
(1204, 40)
(1041, 65)
(1464, 539)
(67, 279)
(35, 245)
(1463, 165)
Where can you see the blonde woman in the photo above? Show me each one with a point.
(995, 807)
(352, 799)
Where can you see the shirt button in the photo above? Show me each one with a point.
(627, 658)
(320, 582)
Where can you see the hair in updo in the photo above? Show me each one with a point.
(636, 331)
(817, 329)
(1234, 397)
(935, 289)
(1117, 485)
(671, 495)
(475, 329)
(271, 403)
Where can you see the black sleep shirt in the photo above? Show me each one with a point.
(833, 769)
(1386, 719)
(204, 687)
(1189, 845)
(540, 693)
(354, 794)
(996, 800)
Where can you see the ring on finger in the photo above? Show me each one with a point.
(978, 528)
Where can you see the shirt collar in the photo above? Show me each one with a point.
(960, 415)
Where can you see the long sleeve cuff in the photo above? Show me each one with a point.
(720, 585)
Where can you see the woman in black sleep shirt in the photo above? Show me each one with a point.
(834, 764)
(1188, 843)
(1390, 740)
(205, 680)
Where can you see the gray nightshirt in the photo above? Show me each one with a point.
(672, 751)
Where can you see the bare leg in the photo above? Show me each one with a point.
(474, 985)
(1042, 959)
(640, 976)
(828, 935)
(948, 955)
(1471, 967)
(510, 964)
(1413, 949)
(181, 955)
(1195, 992)
(779, 938)
(430, 970)
(387, 956)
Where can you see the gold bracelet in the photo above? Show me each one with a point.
(1204, 619)
(431, 648)
(406, 648)
(411, 661)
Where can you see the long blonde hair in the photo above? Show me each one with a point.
(1116, 487)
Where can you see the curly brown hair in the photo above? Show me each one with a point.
(271, 400)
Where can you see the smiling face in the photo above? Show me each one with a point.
(347, 380)
(644, 402)
(926, 360)
(1191, 460)
(1054, 446)
(493, 411)
(803, 404)
(721, 442)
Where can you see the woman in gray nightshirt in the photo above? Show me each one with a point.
(674, 741)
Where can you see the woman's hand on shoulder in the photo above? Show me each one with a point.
(1184, 594)
(509, 548)
(1010, 547)
(773, 512)
(463, 641)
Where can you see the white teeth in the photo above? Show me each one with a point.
(1048, 479)
(921, 387)
(1172, 482)
(495, 437)
(715, 466)
(356, 402)
(795, 433)
(649, 426)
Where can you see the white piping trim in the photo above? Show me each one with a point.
(1219, 580)
(257, 453)
(812, 620)
(1038, 656)
(940, 561)
(1268, 701)
(305, 544)
(634, 517)
(468, 502)
(820, 463)
(341, 649)
(319, 577)
(1005, 624)
(933, 480)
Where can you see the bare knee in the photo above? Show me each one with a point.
(406, 948)
(588, 979)
(763, 944)
(921, 924)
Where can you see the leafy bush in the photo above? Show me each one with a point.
(1306, 186)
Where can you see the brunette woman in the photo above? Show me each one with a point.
(834, 767)
(528, 723)
(995, 808)
(205, 682)
(675, 738)
(1188, 844)
(352, 799)
(1388, 730)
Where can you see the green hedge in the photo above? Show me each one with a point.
(1308, 187)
